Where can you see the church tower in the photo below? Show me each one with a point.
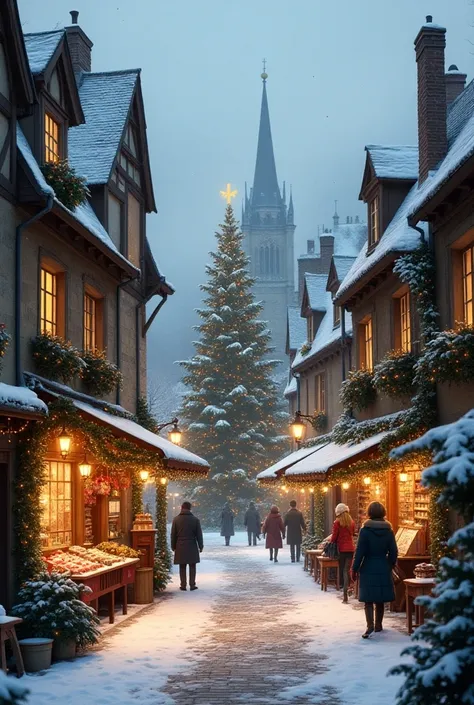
(268, 228)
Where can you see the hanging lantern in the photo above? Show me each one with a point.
(367, 481)
(144, 475)
(283, 487)
(302, 491)
(163, 480)
(297, 427)
(345, 485)
(64, 443)
(311, 489)
(403, 477)
(175, 434)
(85, 468)
(325, 489)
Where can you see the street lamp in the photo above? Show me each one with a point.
(403, 477)
(64, 443)
(174, 435)
(163, 480)
(144, 475)
(297, 427)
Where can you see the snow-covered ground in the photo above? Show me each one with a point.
(137, 657)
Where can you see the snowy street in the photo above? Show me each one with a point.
(255, 632)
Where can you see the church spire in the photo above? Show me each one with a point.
(291, 210)
(266, 191)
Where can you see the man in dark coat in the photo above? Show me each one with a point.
(375, 557)
(252, 523)
(295, 525)
(227, 523)
(187, 543)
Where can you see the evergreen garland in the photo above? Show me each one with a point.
(161, 574)
(319, 513)
(162, 552)
(56, 358)
(449, 356)
(358, 390)
(137, 494)
(69, 188)
(99, 374)
(394, 376)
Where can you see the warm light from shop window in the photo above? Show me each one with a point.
(283, 487)
(345, 485)
(64, 443)
(85, 468)
(175, 434)
(325, 489)
(302, 491)
(367, 480)
(144, 475)
(377, 490)
(163, 480)
(403, 477)
(311, 489)
(297, 428)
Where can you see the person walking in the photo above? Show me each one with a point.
(252, 523)
(295, 525)
(187, 543)
(343, 531)
(375, 557)
(227, 523)
(274, 531)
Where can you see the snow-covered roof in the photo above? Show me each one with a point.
(291, 387)
(286, 462)
(83, 214)
(326, 334)
(394, 162)
(460, 111)
(21, 399)
(40, 47)
(296, 328)
(105, 99)
(348, 239)
(397, 238)
(332, 456)
(176, 457)
(343, 265)
(316, 287)
(460, 151)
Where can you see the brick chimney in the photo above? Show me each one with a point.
(310, 247)
(455, 83)
(326, 246)
(80, 46)
(432, 137)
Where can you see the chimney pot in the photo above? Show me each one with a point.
(455, 83)
(429, 19)
(310, 247)
(74, 16)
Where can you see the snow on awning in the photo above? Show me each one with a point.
(331, 457)
(274, 471)
(175, 458)
(21, 402)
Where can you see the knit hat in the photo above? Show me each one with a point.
(341, 508)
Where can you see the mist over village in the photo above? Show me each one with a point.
(236, 352)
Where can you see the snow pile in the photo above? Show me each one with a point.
(40, 47)
(394, 162)
(21, 398)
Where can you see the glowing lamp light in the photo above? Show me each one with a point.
(64, 443)
(302, 491)
(283, 487)
(377, 490)
(175, 434)
(403, 477)
(144, 475)
(325, 489)
(367, 481)
(163, 480)
(311, 489)
(345, 485)
(297, 427)
(85, 468)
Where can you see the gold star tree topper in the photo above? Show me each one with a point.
(229, 194)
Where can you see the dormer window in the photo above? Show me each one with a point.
(52, 147)
(54, 87)
(374, 228)
(310, 329)
(336, 315)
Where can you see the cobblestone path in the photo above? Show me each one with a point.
(253, 649)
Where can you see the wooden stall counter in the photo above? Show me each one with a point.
(106, 581)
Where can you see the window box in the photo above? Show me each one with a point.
(394, 375)
(56, 358)
(358, 390)
(98, 374)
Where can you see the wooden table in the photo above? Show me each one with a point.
(416, 587)
(8, 632)
(325, 565)
(406, 566)
(106, 581)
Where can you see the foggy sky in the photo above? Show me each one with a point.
(342, 74)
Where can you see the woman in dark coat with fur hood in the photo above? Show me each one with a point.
(375, 556)
(274, 530)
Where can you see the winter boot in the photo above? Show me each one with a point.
(379, 612)
(345, 599)
(369, 616)
(271, 554)
(276, 555)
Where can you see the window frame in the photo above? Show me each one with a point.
(71, 482)
(366, 343)
(310, 327)
(55, 268)
(467, 304)
(55, 111)
(402, 320)
(336, 315)
(374, 221)
(92, 292)
(320, 396)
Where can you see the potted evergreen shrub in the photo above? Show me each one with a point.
(51, 608)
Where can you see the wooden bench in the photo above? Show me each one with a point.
(325, 565)
(8, 633)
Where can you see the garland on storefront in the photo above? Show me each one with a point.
(4, 342)
(439, 525)
(56, 358)
(162, 551)
(115, 454)
(319, 512)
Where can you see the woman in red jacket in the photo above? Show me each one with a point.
(343, 531)
(274, 530)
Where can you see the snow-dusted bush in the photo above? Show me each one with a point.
(443, 656)
(99, 374)
(358, 391)
(449, 356)
(51, 607)
(394, 375)
(56, 358)
(319, 421)
(11, 691)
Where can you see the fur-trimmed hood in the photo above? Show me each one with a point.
(382, 524)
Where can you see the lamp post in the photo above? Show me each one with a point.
(298, 426)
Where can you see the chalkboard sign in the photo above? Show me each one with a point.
(406, 539)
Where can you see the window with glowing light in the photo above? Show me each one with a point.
(49, 302)
(467, 285)
(402, 320)
(56, 505)
(52, 152)
(374, 230)
(366, 344)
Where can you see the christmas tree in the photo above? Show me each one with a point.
(232, 412)
(443, 658)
